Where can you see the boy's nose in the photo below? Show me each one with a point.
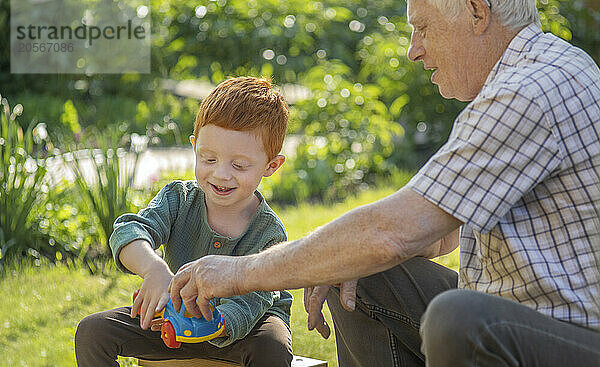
(222, 172)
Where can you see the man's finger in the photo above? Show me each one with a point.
(315, 305)
(348, 294)
(204, 307)
(184, 267)
(192, 307)
(307, 292)
(177, 283)
(189, 294)
(323, 328)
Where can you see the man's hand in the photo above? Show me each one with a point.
(152, 297)
(199, 281)
(314, 297)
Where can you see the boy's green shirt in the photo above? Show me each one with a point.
(176, 218)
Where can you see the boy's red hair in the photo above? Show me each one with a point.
(245, 104)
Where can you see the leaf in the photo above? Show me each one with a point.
(69, 117)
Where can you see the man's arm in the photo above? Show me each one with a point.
(364, 241)
(444, 246)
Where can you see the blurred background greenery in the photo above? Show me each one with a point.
(366, 119)
(367, 116)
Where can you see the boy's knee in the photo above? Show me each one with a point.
(89, 328)
(269, 348)
(266, 351)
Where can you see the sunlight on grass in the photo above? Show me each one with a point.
(310, 343)
(41, 307)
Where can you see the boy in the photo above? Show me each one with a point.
(238, 134)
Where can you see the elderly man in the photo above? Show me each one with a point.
(518, 178)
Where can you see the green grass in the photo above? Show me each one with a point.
(41, 306)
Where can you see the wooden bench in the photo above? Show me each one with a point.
(297, 362)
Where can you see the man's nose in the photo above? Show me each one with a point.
(416, 49)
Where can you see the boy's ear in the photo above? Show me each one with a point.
(193, 141)
(273, 165)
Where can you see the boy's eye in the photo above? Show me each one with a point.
(239, 166)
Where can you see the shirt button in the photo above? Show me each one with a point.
(217, 244)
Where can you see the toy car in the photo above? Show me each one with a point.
(181, 326)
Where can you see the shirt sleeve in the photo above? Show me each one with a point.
(501, 147)
(152, 223)
(241, 313)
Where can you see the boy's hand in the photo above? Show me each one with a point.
(156, 324)
(153, 295)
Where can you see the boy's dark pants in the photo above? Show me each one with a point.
(414, 308)
(103, 336)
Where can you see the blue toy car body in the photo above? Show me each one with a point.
(181, 326)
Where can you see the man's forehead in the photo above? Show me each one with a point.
(415, 20)
(415, 11)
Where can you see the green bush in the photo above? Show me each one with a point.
(23, 191)
(346, 137)
(576, 21)
(106, 187)
(42, 216)
(67, 220)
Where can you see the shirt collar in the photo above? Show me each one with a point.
(514, 52)
(225, 240)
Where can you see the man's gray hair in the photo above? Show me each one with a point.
(514, 14)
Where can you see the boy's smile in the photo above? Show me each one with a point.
(222, 190)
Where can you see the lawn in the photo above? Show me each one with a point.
(41, 306)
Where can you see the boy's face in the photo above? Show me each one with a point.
(230, 165)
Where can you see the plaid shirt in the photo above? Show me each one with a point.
(521, 171)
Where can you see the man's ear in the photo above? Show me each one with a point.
(193, 141)
(273, 165)
(480, 14)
